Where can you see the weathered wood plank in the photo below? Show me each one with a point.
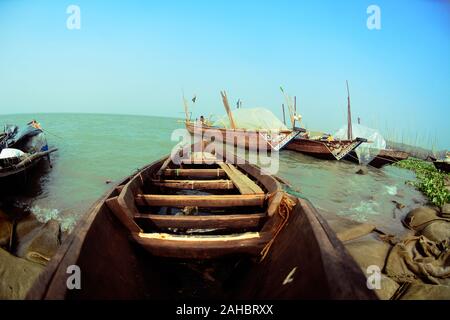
(125, 217)
(241, 181)
(203, 173)
(210, 201)
(195, 184)
(164, 166)
(232, 221)
(245, 179)
(198, 247)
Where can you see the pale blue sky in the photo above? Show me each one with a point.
(137, 58)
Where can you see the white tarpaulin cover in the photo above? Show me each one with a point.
(252, 118)
(367, 150)
(10, 153)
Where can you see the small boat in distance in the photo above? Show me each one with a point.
(272, 139)
(203, 228)
(383, 158)
(21, 149)
(323, 146)
(444, 164)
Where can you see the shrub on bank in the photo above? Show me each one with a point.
(429, 180)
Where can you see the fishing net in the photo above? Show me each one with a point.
(252, 119)
(367, 151)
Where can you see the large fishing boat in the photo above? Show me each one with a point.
(251, 138)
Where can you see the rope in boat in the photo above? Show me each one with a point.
(284, 210)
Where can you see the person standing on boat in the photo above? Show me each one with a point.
(201, 121)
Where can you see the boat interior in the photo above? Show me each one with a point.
(203, 229)
(201, 207)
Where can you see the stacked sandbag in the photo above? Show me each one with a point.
(31, 244)
(365, 245)
(369, 250)
(419, 260)
(420, 263)
(17, 275)
(37, 242)
(419, 291)
(415, 267)
(429, 222)
(347, 229)
(445, 211)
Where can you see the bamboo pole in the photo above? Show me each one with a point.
(295, 110)
(349, 116)
(291, 111)
(186, 108)
(227, 108)
(284, 116)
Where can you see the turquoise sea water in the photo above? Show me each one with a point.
(96, 148)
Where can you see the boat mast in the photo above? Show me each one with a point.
(295, 110)
(186, 108)
(227, 108)
(289, 104)
(349, 116)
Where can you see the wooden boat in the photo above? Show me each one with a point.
(388, 156)
(243, 138)
(21, 150)
(383, 158)
(442, 165)
(324, 149)
(240, 236)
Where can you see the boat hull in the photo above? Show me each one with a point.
(305, 261)
(442, 165)
(247, 139)
(384, 157)
(34, 145)
(328, 150)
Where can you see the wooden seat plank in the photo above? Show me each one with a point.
(241, 181)
(201, 247)
(201, 173)
(195, 184)
(232, 221)
(201, 201)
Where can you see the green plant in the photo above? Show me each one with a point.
(429, 180)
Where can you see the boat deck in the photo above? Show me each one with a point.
(201, 208)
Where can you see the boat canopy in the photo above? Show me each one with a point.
(367, 151)
(13, 135)
(253, 119)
